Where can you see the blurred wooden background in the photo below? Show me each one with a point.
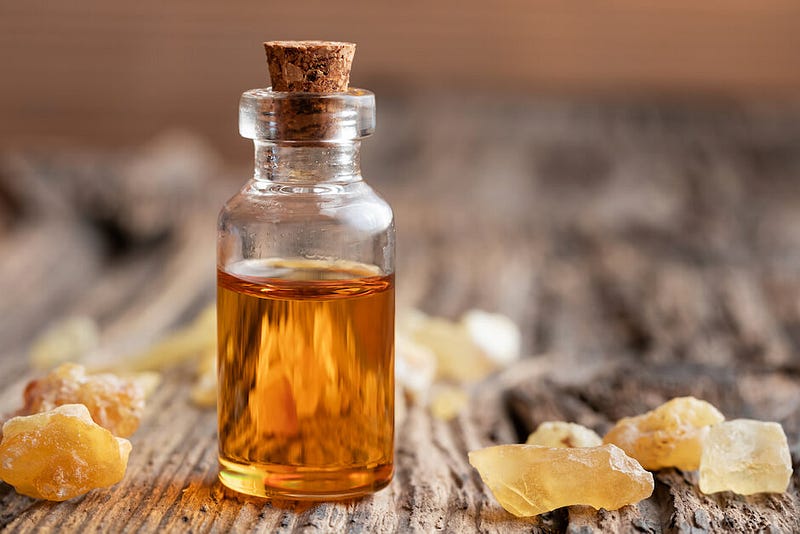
(114, 73)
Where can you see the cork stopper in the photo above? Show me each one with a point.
(309, 66)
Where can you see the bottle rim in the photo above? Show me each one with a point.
(270, 115)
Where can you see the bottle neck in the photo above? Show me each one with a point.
(304, 162)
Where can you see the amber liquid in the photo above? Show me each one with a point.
(306, 378)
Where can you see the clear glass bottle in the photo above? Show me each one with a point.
(305, 302)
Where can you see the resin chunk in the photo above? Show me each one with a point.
(528, 479)
(181, 345)
(60, 454)
(745, 457)
(562, 434)
(669, 436)
(70, 338)
(495, 334)
(204, 390)
(448, 401)
(148, 381)
(463, 351)
(115, 403)
(414, 368)
(457, 357)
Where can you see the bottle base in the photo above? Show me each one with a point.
(303, 483)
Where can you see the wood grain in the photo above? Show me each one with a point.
(646, 252)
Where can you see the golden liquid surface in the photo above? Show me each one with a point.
(306, 378)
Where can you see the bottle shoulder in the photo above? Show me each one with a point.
(354, 204)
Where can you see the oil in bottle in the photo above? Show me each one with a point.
(305, 367)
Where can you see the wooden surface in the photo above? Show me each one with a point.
(646, 252)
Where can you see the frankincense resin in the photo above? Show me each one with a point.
(563, 434)
(115, 403)
(528, 480)
(306, 393)
(60, 454)
(745, 457)
(669, 436)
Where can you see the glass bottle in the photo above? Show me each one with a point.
(305, 301)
